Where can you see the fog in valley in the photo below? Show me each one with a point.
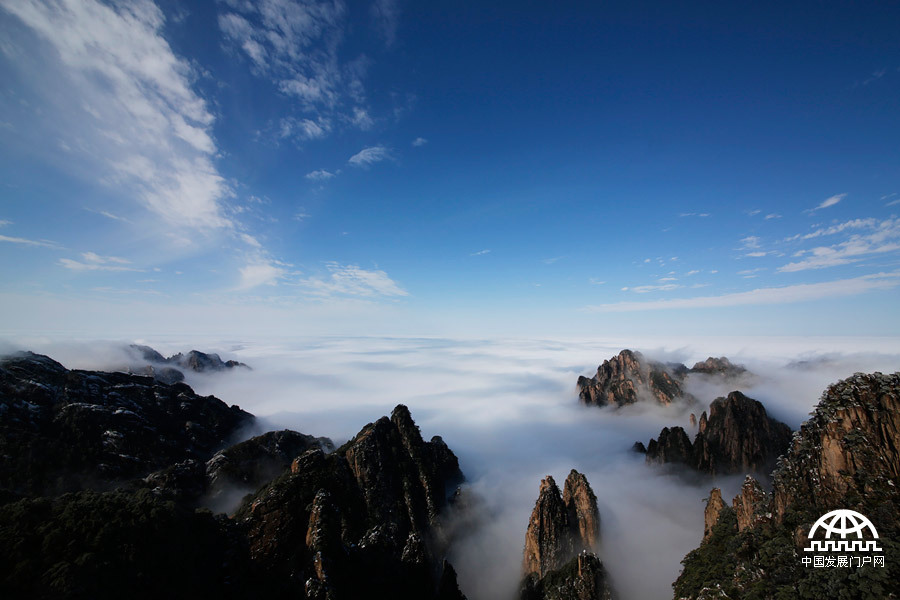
(509, 409)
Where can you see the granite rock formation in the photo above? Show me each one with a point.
(629, 377)
(738, 436)
(147, 361)
(65, 430)
(361, 522)
(845, 456)
(563, 534)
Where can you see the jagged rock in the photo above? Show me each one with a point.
(202, 362)
(718, 366)
(563, 533)
(548, 541)
(693, 420)
(674, 446)
(386, 491)
(737, 437)
(629, 378)
(63, 430)
(847, 456)
(714, 506)
(639, 448)
(163, 369)
(252, 463)
(750, 506)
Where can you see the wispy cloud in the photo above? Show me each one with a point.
(321, 175)
(749, 242)
(550, 261)
(593, 281)
(298, 46)
(92, 261)
(351, 280)
(371, 155)
(480, 253)
(885, 238)
(27, 242)
(4, 222)
(693, 214)
(386, 14)
(419, 141)
(644, 289)
(830, 201)
(771, 216)
(259, 272)
(763, 296)
(132, 101)
(854, 224)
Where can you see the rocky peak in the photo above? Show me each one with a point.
(718, 366)
(714, 506)
(628, 378)
(371, 510)
(562, 536)
(581, 510)
(737, 436)
(64, 430)
(750, 506)
(846, 456)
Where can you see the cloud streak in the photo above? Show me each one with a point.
(762, 296)
(370, 156)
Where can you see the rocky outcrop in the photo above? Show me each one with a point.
(363, 521)
(845, 456)
(63, 430)
(718, 366)
(714, 506)
(147, 361)
(751, 505)
(738, 436)
(628, 378)
(560, 543)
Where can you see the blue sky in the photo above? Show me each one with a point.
(287, 167)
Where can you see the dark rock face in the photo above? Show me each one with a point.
(628, 378)
(737, 436)
(63, 430)
(563, 533)
(151, 363)
(845, 456)
(718, 366)
(363, 521)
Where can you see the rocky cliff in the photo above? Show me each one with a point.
(363, 521)
(63, 430)
(630, 377)
(737, 436)
(563, 534)
(845, 456)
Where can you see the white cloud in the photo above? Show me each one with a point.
(831, 201)
(386, 15)
(351, 280)
(320, 175)
(751, 241)
(419, 141)
(250, 240)
(885, 238)
(764, 296)
(147, 128)
(480, 253)
(754, 212)
(893, 202)
(693, 215)
(593, 281)
(259, 272)
(692, 272)
(298, 46)
(371, 155)
(94, 262)
(550, 261)
(26, 242)
(853, 224)
(772, 216)
(759, 254)
(4, 222)
(304, 129)
(644, 289)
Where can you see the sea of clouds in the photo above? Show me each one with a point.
(509, 410)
